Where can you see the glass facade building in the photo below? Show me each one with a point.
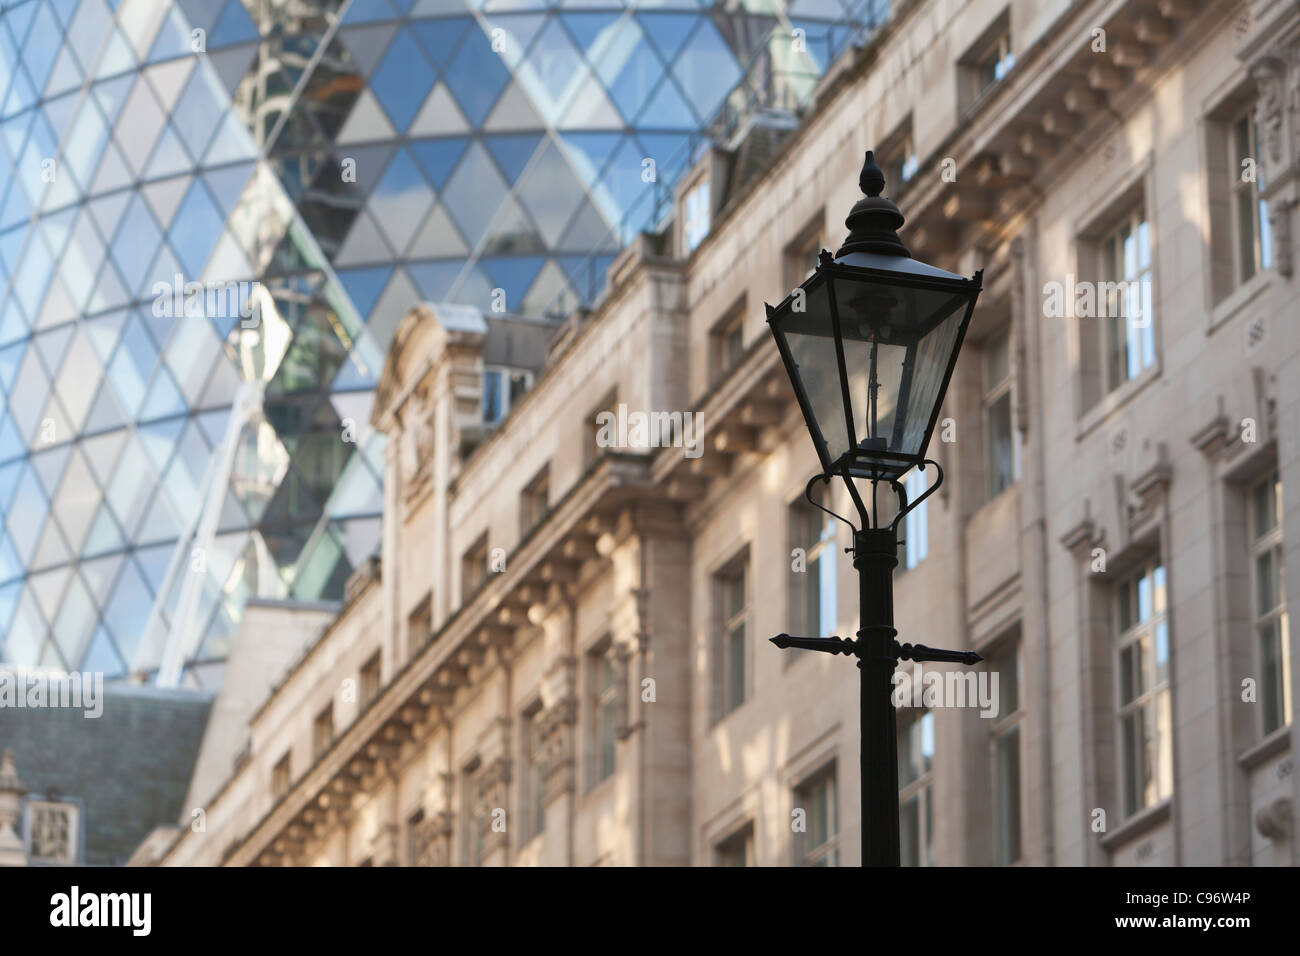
(213, 214)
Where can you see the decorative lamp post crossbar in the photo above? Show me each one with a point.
(869, 342)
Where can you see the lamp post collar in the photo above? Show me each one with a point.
(874, 221)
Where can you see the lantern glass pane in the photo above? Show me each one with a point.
(809, 334)
(903, 337)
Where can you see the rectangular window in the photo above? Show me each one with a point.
(369, 681)
(1268, 577)
(1006, 756)
(737, 849)
(534, 788)
(502, 387)
(322, 731)
(729, 649)
(1252, 241)
(473, 568)
(697, 215)
(799, 259)
(916, 523)
(727, 343)
(902, 164)
(999, 435)
(819, 845)
(280, 778)
(915, 763)
(535, 502)
(987, 62)
(813, 599)
(593, 446)
(414, 845)
(604, 710)
(1124, 300)
(1145, 730)
(475, 816)
(54, 827)
(419, 626)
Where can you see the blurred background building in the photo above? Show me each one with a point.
(340, 161)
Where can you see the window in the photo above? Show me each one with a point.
(813, 601)
(697, 215)
(1006, 756)
(369, 681)
(737, 849)
(476, 816)
(591, 448)
(1251, 239)
(54, 828)
(535, 502)
(916, 523)
(915, 759)
(473, 568)
(1124, 300)
(322, 731)
(729, 647)
(800, 257)
(999, 435)
(1145, 731)
(987, 62)
(280, 778)
(502, 387)
(819, 845)
(414, 842)
(1273, 638)
(534, 783)
(419, 626)
(604, 711)
(902, 164)
(727, 343)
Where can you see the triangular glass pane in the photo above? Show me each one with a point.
(440, 116)
(367, 44)
(439, 37)
(438, 237)
(367, 122)
(438, 157)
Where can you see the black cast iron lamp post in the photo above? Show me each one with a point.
(869, 341)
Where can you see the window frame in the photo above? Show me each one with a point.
(828, 851)
(1112, 268)
(992, 394)
(920, 787)
(725, 623)
(1006, 724)
(1153, 695)
(1249, 191)
(1261, 542)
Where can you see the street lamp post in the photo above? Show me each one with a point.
(869, 341)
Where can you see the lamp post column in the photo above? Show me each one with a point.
(875, 555)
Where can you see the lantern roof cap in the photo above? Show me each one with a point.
(902, 264)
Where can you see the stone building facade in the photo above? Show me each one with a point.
(560, 656)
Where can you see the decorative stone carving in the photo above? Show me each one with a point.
(556, 732)
(12, 852)
(432, 840)
(1269, 74)
(417, 440)
(492, 793)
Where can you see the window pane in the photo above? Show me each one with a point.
(1001, 473)
(736, 669)
(1008, 797)
(909, 832)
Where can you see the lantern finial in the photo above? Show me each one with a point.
(871, 180)
(874, 222)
